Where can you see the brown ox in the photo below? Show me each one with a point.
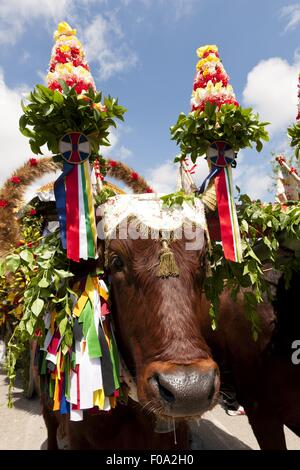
(266, 380)
(164, 334)
(158, 331)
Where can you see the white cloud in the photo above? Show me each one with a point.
(15, 149)
(16, 14)
(292, 14)
(271, 90)
(104, 44)
(116, 151)
(163, 178)
(181, 8)
(124, 153)
(254, 180)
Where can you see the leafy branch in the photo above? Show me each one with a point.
(270, 235)
(49, 114)
(239, 127)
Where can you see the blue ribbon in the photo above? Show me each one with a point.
(64, 405)
(212, 174)
(60, 200)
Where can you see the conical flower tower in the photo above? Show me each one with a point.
(68, 62)
(70, 119)
(211, 83)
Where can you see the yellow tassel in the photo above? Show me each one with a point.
(167, 263)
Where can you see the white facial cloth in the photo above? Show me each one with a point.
(148, 209)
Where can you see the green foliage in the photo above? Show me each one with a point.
(178, 198)
(270, 236)
(104, 195)
(47, 289)
(239, 127)
(294, 134)
(50, 114)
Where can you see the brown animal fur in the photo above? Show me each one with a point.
(266, 382)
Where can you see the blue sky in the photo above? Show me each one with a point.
(144, 52)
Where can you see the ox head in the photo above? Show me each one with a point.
(158, 316)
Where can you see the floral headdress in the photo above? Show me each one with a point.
(211, 83)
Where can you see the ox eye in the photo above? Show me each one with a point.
(117, 263)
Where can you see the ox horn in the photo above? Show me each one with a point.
(167, 263)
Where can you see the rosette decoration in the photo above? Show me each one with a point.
(218, 127)
(69, 117)
(81, 373)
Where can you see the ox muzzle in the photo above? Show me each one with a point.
(180, 390)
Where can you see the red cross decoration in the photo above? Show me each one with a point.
(220, 154)
(74, 148)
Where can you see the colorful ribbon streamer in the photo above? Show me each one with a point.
(74, 203)
(220, 159)
(230, 233)
(85, 376)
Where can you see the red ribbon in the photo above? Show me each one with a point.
(72, 214)
(224, 216)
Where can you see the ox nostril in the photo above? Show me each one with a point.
(166, 394)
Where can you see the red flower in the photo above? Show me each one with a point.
(293, 170)
(33, 161)
(3, 203)
(75, 51)
(55, 86)
(32, 212)
(134, 176)
(30, 245)
(112, 163)
(80, 86)
(280, 159)
(149, 190)
(15, 179)
(60, 57)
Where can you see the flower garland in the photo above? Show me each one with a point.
(211, 83)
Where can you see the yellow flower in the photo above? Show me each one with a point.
(64, 29)
(64, 48)
(218, 86)
(202, 62)
(201, 50)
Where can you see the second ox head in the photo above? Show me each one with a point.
(158, 321)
